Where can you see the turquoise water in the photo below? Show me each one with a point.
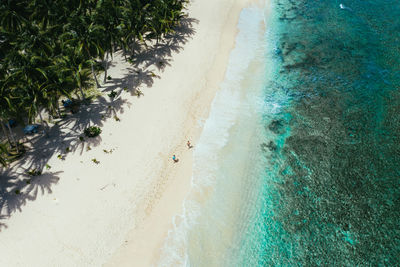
(299, 161)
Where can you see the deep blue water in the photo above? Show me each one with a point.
(331, 193)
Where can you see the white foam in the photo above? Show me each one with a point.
(225, 110)
(345, 7)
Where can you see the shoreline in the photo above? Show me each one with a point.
(154, 229)
(118, 212)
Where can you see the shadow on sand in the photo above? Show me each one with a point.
(17, 187)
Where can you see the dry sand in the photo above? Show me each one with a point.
(118, 212)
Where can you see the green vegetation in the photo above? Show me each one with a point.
(3, 152)
(50, 50)
(34, 172)
(108, 151)
(10, 152)
(92, 131)
(138, 93)
(112, 94)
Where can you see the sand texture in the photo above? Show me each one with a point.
(118, 212)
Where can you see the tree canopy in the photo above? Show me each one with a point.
(49, 48)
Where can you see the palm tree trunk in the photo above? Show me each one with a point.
(133, 46)
(3, 150)
(43, 124)
(5, 131)
(11, 134)
(58, 108)
(94, 76)
(105, 68)
(80, 89)
(3, 161)
(123, 48)
(14, 142)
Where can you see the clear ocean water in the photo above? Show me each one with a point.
(299, 161)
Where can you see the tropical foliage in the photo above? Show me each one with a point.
(92, 131)
(50, 49)
(2, 156)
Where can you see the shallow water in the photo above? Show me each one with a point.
(298, 163)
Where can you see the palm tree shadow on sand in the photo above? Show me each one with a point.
(17, 187)
(147, 59)
(16, 190)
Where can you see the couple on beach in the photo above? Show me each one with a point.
(175, 159)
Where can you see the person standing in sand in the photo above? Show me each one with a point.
(189, 144)
(175, 159)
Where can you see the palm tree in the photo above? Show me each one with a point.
(3, 128)
(82, 78)
(108, 17)
(60, 82)
(7, 108)
(86, 36)
(44, 12)
(13, 15)
(38, 99)
(48, 49)
(76, 66)
(3, 151)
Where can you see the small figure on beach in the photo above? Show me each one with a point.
(175, 159)
(189, 145)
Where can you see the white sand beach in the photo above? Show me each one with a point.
(118, 212)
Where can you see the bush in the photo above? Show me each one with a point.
(112, 94)
(109, 77)
(92, 131)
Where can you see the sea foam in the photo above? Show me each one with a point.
(203, 209)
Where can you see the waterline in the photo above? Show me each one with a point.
(298, 163)
(207, 232)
